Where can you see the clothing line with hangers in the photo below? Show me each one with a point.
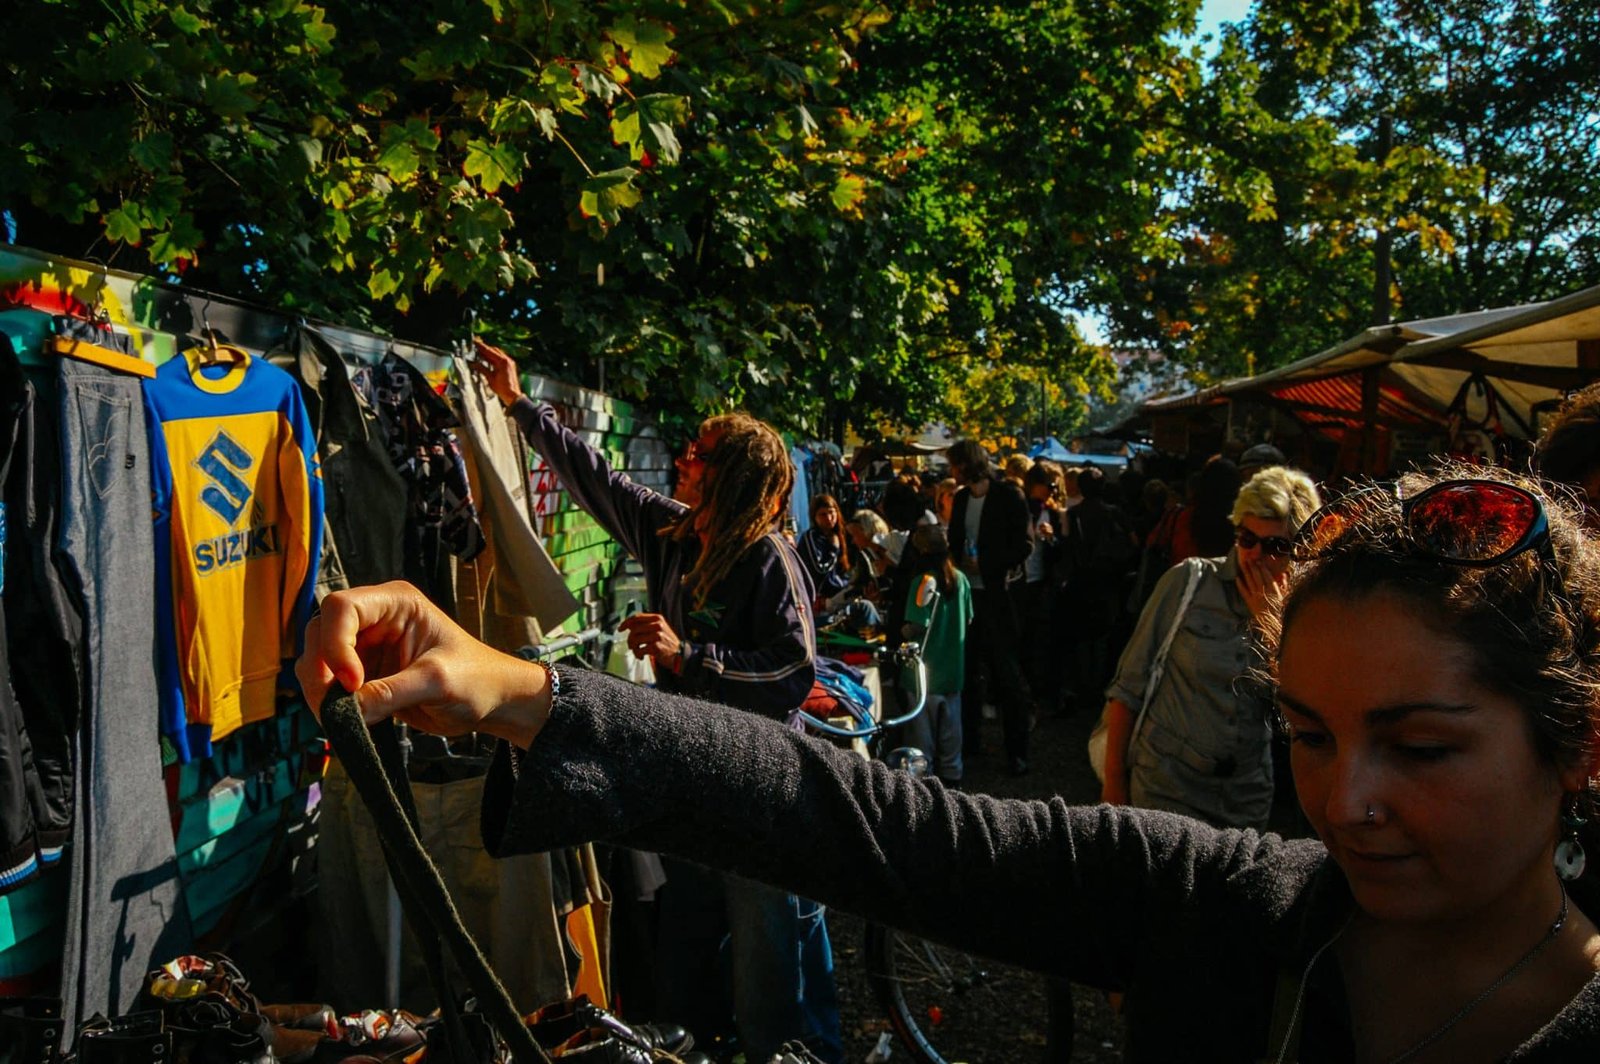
(159, 320)
(88, 336)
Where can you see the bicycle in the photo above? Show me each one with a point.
(927, 990)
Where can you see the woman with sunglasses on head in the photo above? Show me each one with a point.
(1185, 729)
(1435, 652)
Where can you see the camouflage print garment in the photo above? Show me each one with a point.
(441, 516)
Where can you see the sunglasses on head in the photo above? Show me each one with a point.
(1275, 546)
(1475, 523)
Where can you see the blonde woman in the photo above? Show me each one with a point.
(1203, 745)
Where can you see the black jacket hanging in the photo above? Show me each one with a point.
(364, 497)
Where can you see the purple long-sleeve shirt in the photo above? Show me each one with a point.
(752, 645)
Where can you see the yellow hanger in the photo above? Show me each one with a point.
(100, 355)
(84, 351)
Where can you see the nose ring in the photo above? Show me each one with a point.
(1372, 814)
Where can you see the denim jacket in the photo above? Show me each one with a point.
(1204, 746)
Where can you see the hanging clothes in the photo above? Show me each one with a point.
(43, 642)
(125, 909)
(364, 498)
(527, 583)
(800, 496)
(31, 832)
(441, 519)
(238, 527)
(511, 906)
(474, 584)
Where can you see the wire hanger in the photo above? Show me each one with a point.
(97, 310)
(462, 348)
(214, 353)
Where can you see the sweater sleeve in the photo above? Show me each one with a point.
(1067, 890)
(631, 513)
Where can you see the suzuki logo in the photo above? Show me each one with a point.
(222, 461)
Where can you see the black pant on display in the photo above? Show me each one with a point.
(43, 635)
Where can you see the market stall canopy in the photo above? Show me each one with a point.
(1051, 449)
(1528, 353)
(1533, 356)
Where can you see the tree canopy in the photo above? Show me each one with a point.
(823, 212)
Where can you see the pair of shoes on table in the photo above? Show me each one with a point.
(207, 1003)
(137, 1038)
(580, 1030)
(30, 1030)
(372, 1035)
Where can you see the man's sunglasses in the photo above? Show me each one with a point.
(695, 451)
(1476, 523)
(1275, 546)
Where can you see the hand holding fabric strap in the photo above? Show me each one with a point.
(415, 873)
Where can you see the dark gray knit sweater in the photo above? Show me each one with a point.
(1195, 923)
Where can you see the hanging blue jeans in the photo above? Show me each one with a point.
(126, 911)
(774, 956)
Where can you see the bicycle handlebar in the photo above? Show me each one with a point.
(907, 654)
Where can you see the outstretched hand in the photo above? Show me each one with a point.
(404, 658)
(499, 369)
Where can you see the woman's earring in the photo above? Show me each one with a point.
(1570, 858)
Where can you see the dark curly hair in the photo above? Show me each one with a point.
(1533, 632)
(1569, 447)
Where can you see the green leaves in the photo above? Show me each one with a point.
(154, 151)
(123, 225)
(644, 125)
(185, 22)
(645, 44)
(848, 193)
(558, 86)
(492, 164)
(606, 196)
(229, 95)
(383, 283)
(404, 148)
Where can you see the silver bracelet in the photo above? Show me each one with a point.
(552, 677)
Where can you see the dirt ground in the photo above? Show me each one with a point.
(1015, 1031)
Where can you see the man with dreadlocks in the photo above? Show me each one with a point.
(729, 621)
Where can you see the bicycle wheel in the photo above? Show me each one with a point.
(937, 995)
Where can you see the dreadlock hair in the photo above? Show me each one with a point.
(745, 488)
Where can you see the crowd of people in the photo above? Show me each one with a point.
(1429, 648)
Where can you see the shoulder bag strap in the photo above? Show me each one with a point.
(371, 757)
(1158, 667)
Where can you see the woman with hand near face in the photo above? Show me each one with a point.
(1435, 652)
(1203, 746)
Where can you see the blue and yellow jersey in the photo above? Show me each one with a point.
(238, 530)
